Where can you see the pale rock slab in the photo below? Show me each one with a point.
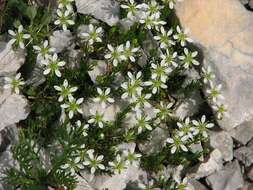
(243, 133)
(229, 178)
(245, 155)
(99, 69)
(13, 108)
(82, 184)
(156, 141)
(223, 30)
(224, 142)
(10, 60)
(116, 182)
(105, 10)
(213, 164)
(61, 40)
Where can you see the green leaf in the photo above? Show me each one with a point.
(31, 12)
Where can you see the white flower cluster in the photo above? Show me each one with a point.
(121, 53)
(186, 132)
(64, 14)
(214, 92)
(147, 14)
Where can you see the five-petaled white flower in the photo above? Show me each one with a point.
(164, 38)
(129, 52)
(132, 86)
(152, 8)
(183, 185)
(14, 83)
(177, 143)
(116, 54)
(186, 130)
(220, 110)
(131, 8)
(141, 100)
(118, 165)
(151, 21)
(182, 37)
(131, 157)
(65, 90)
(73, 106)
(53, 65)
(214, 92)
(44, 51)
(142, 122)
(97, 118)
(72, 165)
(19, 37)
(64, 19)
(202, 126)
(207, 74)
(103, 97)
(156, 85)
(169, 58)
(94, 162)
(160, 71)
(188, 58)
(93, 35)
(163, 111)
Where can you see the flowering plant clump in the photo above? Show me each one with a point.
(79, 113)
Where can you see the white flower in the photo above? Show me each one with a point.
(84, 127)
(116, 54)
(214, 92)
(133, 86)
(19, 37)
(64, 19)
(164, 38)
(152, 8)
(181, 36)
(65, 4)
(156, 85)
(207, 74)
(142, 122)
(169, 59)
(131, 8)
(184, 185)
(171, 3)
(202, 126)
(14, 83)
(188, 58)
(97, 118)
(52, 65)
(94, 34)
(73, 106)
(103, 97)
(129, 52)
(177, 143)
(65, 90)
(220, 110)
(160, 71)
(141, 101)
(149, 186)
(94, 162)
(131, 157)
(163, 111)
(118, 165)
(151, 21)
(185, 129)
(72, 165)
(44, 50)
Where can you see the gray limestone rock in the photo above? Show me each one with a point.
(105, 10)
(224, 142)
(229, 178)
(61, 40)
